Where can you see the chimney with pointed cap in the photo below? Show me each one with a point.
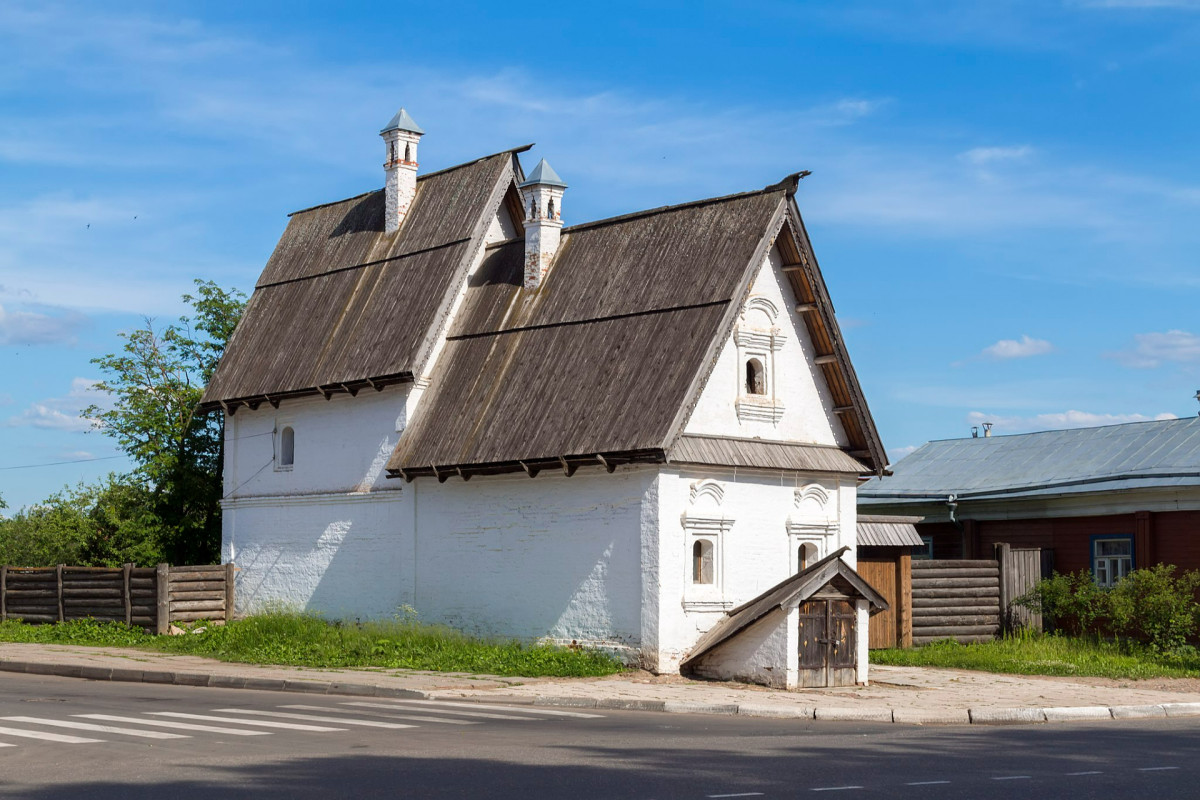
(542, 192)
(400, 136)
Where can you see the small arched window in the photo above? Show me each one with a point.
(550, 209)
(408, 151)
(702, 561)
(756, 379)
(287, 447)
(805, 555)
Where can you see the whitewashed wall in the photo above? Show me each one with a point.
(549, 556)
(806, 413)
(755, 549)
(758, 654)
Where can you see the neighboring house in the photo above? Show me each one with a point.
(610, 433)
(1107, 499)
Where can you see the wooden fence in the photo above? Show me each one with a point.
(892, 578)
(973, 601)
(149, 597)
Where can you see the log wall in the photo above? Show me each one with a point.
(150, 597)
(955, 599)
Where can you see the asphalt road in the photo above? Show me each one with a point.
(141, 745)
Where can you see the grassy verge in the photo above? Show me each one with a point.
(1048, 655)
(308, 641)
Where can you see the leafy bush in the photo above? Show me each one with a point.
(1153, 606)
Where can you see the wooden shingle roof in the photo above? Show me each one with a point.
(343, 305)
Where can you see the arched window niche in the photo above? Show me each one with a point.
(702, 562)
(286, 457)
(759, 339)
(806, 556)
(756, 377)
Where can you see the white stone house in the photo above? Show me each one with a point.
(610, 433)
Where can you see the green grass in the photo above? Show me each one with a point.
(309, 641)
(1048, 655)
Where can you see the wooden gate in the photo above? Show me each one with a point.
(828, 642)
(891, 576)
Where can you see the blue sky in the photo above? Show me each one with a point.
(1003, 201)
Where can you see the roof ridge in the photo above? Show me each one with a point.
(1064, 430)
(442, 171)
(664, 209)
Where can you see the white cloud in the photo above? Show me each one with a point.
(897, 453)
(1012, 348)
(1058, 420)
(1150, 350)
(988, 155)
(63, 413)
(28, 327)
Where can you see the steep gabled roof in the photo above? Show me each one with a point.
(796, 589)
(598, 362)
(1154, 454)
(342, 305)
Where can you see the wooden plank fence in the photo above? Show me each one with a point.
(148, 597)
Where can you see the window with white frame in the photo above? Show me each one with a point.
(285, 448)
(1112, 559)
(705, 528)
(758, 340)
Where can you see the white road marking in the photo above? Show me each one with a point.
(370, 723)
(6, 744)
(926, 783)
(739, 794)
(1012, 778)
(183, 726)
(1086, 772)
(49, 737)
(1154, 769)
(833, 788)
(87, 726)
(520, 710)
(412, 717)
(293, 726)
(441, 711)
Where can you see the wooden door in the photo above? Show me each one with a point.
(828, 643)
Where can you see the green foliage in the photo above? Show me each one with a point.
(1153, 606)
(1048, 654)
(107, 524)
(156, 382)
(309, 641)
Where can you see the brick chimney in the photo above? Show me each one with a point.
(542, 193)
(401, 136)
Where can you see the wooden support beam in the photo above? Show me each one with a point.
(274, 401)
(805, 308)
(793, 267)
(608, 466)
(466, 476)
(842, 409)
(253, 404)
(353, 391)
(162, 615)
(829, 358)
(568, 469)
(529, 470)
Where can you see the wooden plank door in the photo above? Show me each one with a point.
(814, 644)
(843, 643)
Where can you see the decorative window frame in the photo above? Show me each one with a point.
(277, 444)
(762, 343)
(807, 529)
(712, 526)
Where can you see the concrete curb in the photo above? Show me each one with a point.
(901, 716)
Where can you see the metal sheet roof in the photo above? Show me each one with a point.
(1160, 453)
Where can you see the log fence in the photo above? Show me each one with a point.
(147, 597)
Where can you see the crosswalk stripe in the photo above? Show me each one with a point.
(294, 726)
(6, 744)
(183, 726)
(87, 726)
(517, 709)
(49, 737)
(370, 723)
(440, 711)
(411, 717)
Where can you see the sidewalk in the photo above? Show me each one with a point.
(897, 694)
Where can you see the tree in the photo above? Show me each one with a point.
(156, 382)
